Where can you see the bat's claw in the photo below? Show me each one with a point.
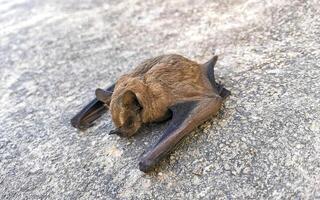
(145, 166)
(223, 92)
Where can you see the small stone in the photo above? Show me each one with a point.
(299, 146)
(246, 170)
(226, 167)
(196, 180)
(315, 126)
(198, 171)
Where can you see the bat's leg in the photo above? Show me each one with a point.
(90, 112)
(185, 118)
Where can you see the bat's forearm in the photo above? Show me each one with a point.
(186, 117)
(152, 157)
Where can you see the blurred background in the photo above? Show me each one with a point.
(264, 144)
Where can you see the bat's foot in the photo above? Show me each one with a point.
(218, 87)
(223, 92)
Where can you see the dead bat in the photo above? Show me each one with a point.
(161, 88)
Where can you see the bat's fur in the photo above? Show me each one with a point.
(145, 94)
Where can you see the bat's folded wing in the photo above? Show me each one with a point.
(92, 111)
(186, 117)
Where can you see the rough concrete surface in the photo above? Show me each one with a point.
(264, 144)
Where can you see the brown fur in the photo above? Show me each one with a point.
(145, 94)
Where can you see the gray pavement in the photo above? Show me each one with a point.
(264, 144)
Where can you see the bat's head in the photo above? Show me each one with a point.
(126, 113)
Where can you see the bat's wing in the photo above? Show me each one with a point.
(93, 110)
(217, 87)
(185, 118)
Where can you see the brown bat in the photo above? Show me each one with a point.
(161, 88)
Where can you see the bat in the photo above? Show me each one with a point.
(168, 87)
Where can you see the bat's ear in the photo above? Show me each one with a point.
(129, 99)
(103, 95)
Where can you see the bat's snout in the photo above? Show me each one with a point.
(115, 132)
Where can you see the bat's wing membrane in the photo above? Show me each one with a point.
(92, 111)
(186, 117)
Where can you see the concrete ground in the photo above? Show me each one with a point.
(264, 144)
